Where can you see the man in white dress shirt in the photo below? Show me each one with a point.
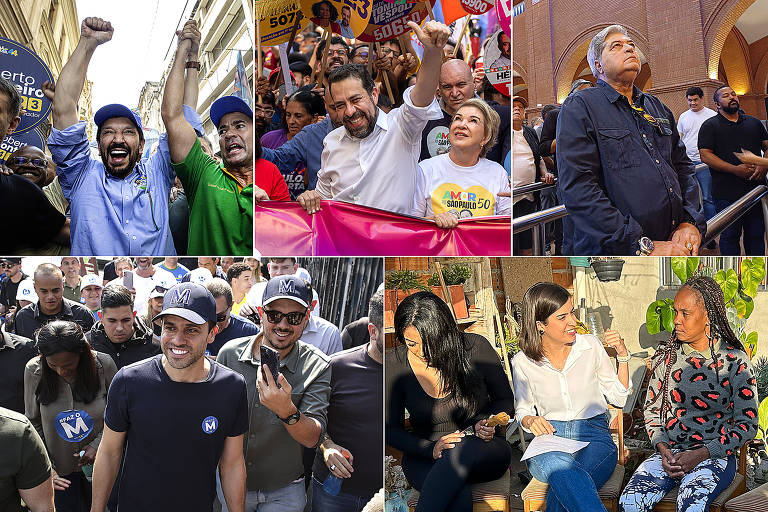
(373, 159)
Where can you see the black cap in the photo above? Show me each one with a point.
(190, 301)
(287, 287)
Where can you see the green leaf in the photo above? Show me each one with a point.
(741, 307)
(751, 343)
(729, 282)
(652, 318)
(752, 274)
(750, 304)
(668, 318)
(684, 267)
(762, 419)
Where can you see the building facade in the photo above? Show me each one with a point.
(682, 43)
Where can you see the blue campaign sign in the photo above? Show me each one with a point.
(18, 140)
(210, 424)
(73, 425)
(22, 67)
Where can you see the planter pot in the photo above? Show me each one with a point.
(609, 270)
(457, 299)
(395, 502)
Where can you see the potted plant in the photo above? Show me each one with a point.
(607, 268)
(399, 285)
(454, 276)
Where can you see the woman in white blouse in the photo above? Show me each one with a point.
(563, 384)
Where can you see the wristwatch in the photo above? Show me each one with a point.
(292, 419)
(646, 246)
(193, 64)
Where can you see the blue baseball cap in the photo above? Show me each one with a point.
(116, 110)
(227, 104)
(190, 301)
(287, 287)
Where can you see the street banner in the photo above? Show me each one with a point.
(15, 141)
(390, 20)
(347, 18)
(345, 229)
(27, 71)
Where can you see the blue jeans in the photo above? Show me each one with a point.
(704, 177)
(291, 498)
(575, 478)
(751, 224)
(324, 502)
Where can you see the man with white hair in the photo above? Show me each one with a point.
(626, 180)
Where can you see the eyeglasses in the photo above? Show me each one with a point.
(7, 265)
(361, 54)
(220, 317)
(160, 289)
(294, 317)
(42, 163)
(340, 53)
(264, 112)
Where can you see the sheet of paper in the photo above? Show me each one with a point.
(552, 443)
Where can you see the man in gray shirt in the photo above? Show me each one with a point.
(287, 418)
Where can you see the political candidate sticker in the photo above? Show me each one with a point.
(210, 424)
(26, 71)
(73, 425)
(438, 140)
(390, 20)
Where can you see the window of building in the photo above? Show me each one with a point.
(238, 21)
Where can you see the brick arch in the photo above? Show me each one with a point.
(760, 79)
(718, 26)
(737, 64)
(520, 71)
(575, 51)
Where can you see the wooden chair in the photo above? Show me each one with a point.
(739, 485)
(755, 500)
(486, 496)
(535, 493)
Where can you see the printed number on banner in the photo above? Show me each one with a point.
(283, 19)
(31, 104)
(397, 27)
(360, 5)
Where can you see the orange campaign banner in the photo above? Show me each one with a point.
(345, 229)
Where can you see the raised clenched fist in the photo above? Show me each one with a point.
(97, 29)
(432, 34)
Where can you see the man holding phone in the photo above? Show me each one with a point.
(288, 413)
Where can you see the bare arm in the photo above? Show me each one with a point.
(433, 36)
(191, 78)
(39, 498)
(715, 162)
(307, 430)
(106, 467)
(181, 135)
(93, 32)
(232, 471)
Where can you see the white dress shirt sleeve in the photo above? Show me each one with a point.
(524, 400)
(610, 385)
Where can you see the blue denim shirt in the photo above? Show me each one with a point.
(621, 178)
(306, 146)
(111, 216)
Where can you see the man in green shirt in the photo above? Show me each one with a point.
(25, 470)
(220, 198)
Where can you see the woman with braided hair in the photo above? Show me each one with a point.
(65, 394)
(700, 408)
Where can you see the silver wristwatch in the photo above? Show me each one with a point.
(646, 246)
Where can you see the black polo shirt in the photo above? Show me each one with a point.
(724, 138)
(29, 319)
(29, 219)
(8, 290)
(15, 351)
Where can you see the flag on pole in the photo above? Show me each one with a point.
(241, 89)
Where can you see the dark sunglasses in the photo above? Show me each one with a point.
(275, 317)
(160, 289)
(3, 264)
(220, 317)
(21, 160)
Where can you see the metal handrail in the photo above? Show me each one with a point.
(725, 218)
(715, 225)
(533, 187)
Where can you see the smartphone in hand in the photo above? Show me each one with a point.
(270, 360)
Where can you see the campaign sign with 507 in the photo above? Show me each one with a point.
(276, 28)
(26, 71)
(73, 425)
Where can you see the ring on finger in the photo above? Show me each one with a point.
(333, 467)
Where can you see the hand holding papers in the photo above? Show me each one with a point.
(552, 443)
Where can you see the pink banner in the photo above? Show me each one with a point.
(344, 229)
